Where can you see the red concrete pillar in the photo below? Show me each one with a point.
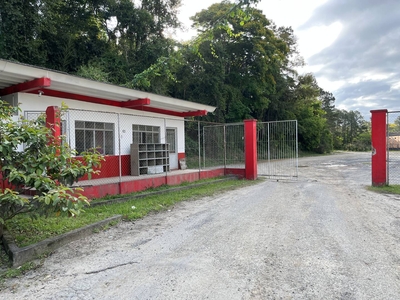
(53, 121)
(250, 149)
(379, 151)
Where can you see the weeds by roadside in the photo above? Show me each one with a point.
(386, 189)
(6, 271)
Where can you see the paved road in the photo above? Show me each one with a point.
(321, 237)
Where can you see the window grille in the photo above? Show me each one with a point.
(89, 135)
(143, 134)
(171, 139)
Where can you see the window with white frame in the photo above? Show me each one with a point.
(143, 134)
(99, 135)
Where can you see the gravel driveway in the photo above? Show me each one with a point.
(323, 236)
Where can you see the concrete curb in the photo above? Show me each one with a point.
(22, 255)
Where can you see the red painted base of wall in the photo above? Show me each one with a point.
(110, 167)
(146, 183)
(240, 173)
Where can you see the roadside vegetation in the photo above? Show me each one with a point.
(386, 189)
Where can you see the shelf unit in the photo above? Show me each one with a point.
(149, 159)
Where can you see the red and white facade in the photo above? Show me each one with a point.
(120, 110)
(34, 89)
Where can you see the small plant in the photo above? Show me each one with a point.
(33, 161)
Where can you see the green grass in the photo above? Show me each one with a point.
(161, 188)
(27, 231)
(386, 189)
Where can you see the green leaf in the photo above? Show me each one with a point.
(37, 183)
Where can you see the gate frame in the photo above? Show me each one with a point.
(250, 149)
(379, 164)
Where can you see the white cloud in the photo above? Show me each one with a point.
(317, 38)
(329, 85)
(289, 12)
(395, 86)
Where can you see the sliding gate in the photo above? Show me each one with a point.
(393, 147)
(277, 149)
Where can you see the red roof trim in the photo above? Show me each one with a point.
(78, 97)
(28, 86)
(159, 111)
(139, 104)
(172, 113)
(134, 103)
(196, 113)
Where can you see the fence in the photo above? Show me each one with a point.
(164, 143)
(136, 145)
(393, 147)
(223, 145)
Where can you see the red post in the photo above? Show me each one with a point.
(53, 121)
(379, 151)
(250, 139)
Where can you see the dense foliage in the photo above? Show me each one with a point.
(240, 61)
(31, 159)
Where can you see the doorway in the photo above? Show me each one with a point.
(173, 153)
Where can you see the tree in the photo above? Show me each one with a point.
(395, 126)
(332, 117)
(19, 30)
(45, 165)
(235, 62)
(314, 134)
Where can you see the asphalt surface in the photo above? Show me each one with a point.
(323, 236)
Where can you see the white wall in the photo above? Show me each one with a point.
(84, 111)
(180, 133)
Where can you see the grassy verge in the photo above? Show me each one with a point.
(162, 188)
(386, 189)
(27, 231)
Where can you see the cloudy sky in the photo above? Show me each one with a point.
(351, 46)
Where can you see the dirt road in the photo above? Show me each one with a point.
(321, 237)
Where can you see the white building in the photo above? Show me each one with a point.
(100, 115)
